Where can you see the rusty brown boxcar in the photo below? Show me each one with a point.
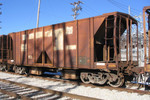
(88, 47)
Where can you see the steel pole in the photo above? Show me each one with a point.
(38, 14)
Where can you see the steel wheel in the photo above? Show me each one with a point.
(84, 77)
(20, 70)
(1, 68)
(118, 82)
(102, 79)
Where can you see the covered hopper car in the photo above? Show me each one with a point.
(87, 48)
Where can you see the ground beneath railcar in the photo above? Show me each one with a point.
(101, 93)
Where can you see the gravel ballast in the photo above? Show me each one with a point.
(98, 93)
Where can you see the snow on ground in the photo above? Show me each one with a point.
(105, 94)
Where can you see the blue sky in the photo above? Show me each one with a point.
(19, 15)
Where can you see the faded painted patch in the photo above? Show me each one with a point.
(30, 57)
(39, 35)
(59, 39)
(23, 37)
(48, 33)
(71, 47)
(31, 36)
(23, 47)
(69, 30)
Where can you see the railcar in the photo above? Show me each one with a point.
(87, 48)
(143, 76)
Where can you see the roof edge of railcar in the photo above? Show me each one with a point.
(103, 15)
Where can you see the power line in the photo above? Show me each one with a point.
(90, 8)
(117, 5)
(136, 10)
(123, 7)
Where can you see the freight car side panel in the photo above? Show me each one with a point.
(39, 45)
(84, 43)
(30, 46)
(17, 49)
(59, 45)
(98, 22)
(48, 45)
(70, 44)
(12, 46)
(23, 48)
(66, 45)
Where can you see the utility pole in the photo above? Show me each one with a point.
(76, 8)
(38, 14)
(129, 10)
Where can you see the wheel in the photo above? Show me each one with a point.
(102, 78)
(116, 81)
(84, 77)
(3, 67)
(20, 70)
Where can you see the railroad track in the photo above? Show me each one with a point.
(141, 92)
(4, 96)
(14, 90)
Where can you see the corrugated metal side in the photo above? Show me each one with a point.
(48, 44)
(30, 46)
(70, 41)
(84, 44)
(38, 45)
(98, 22)
(58, 45)
(87, 28)
(17, 49)
(23, 48)
(12, 46)
(67, 45)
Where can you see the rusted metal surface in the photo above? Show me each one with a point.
(75, 44)
(5, 49)
(146, 65)
(130, 31)
(127, 42)
(119, 57)
(115, 41)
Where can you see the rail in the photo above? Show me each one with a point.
(52, 92)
